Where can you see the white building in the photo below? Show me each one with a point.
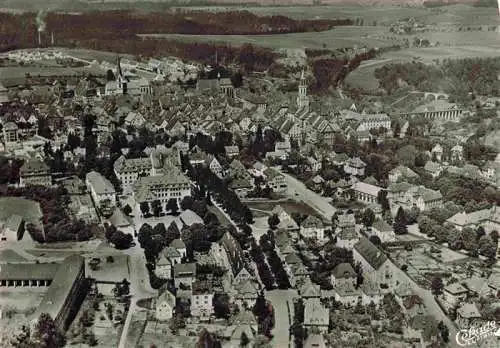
(100, 188)
(312, 227)
(165, 306)
(355, 166)
(202, 300)
(366, 193)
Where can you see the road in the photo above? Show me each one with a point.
(139, 288)
(429, 302)
(298, 190)
(283, 319)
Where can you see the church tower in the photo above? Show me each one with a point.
(302, 98)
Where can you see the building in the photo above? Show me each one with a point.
(453, 294)
(438, 109)
(312, 227)
(457, 153)
(10, 133)
(383, 231)
(368, 122)
(61, 299)
(355, 166)
(275, 180)
(366, 193)
(127, 83)
(316, 316)
(34, 172)
(489, 219)
(402, 172)
(219, 85)
(302, 98)
(202, 296)
(343, 273)
(376, 266)
(286, 223)
(165, 305)
(26, 275)
(4, 97)
(371, 293)
(100, 189)
(246, 293)
(128, 171)
(468, 316)
(173, 184)
(184, 275)
(437, 152)
(347, 294)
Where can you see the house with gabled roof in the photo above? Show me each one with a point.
(310, 290)
(316, 316)
(383, 231)
(374, 262)
(347, 294)
(312, 227)
(454, 293)
(343, 273)
(468, 315)
(286, 223)
(246, 293)
(165, 305)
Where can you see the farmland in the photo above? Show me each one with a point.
(339, 37)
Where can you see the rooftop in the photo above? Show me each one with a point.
(373, 255)
(99, 183)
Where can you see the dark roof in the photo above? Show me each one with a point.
(373, 255)
(183, 269)
(62, 283)
(344, 270)
(233, 251)
(27, 271)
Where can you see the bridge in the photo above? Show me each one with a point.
(435, 96)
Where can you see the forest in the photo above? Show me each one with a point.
(457, 77)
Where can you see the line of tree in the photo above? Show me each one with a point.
(265, 274)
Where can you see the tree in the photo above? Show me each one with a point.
(156, 206)
(160, 229)
(172, 206)
(382, 200)
(487, 247)
(444, 332)
(375, 240)
(47, 334)
(187, 203)
(437, 285)
(144, 236)
(127, 210)
(494, 236)
(110, 76)
(400, 222)
(273, 221)
(221, 306)
(244, 340)
(368, 217)
(144, 208)
(121, 240)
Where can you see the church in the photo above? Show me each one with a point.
(127, 83)
(304, 124)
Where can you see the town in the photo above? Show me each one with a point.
(163, 202)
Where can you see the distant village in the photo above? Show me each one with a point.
(162, 203)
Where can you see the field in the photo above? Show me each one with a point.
(289, 205)
(339, 37)
(462, 14)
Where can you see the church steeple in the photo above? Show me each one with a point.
(302, 98)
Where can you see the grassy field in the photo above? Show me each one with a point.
(339, 37)
(290, 206)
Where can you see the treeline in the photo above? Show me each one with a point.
(485, 3)
(332, 72)
(457, 77)
(104, 23)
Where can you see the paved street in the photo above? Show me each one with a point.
(279, 299)
(297, 190)
(139, 287)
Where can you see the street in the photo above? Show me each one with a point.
(281, 331)
(297, 189)
(139, 287)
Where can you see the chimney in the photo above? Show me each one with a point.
(39, 38)
(52, 38)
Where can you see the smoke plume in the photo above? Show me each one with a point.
(40, 21)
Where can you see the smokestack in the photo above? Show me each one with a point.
(52, 38)
(39, 38)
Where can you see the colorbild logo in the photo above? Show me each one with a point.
(473, 335)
